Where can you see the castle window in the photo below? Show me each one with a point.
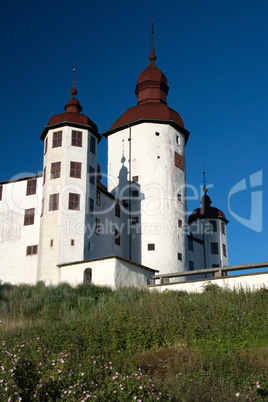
(44, 175)
(177, 139)
(191, 265)
(224, 250)
(213, 226)
(215, 265)
(74, 201)
(180, 223)
(135, 179)
(223, 228)
(1, 192)
(179, 197)
(117, 237)
(77, 138)
(75, 169)
(93, 144)
(45, 151)
(55, 170)
(98, 198)
(31, 187)
(134, 220)
(51, 242)
(57, 139)
(91, 206)
(31, 250)
(91, 175)
(72, 242)
(151, 247)
(135, 193)
(29, 216)
(42, 207)
(97, 227)
(87, 275)
(157, 133)
(179, 256)
(89, 246)
(53, 202)
(190, 245)
(179, 160)
(214, 248)
(117, 210)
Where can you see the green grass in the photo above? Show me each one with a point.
(129, 343)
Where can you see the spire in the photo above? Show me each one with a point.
(204, 181)
(152, 56)
(73, 105)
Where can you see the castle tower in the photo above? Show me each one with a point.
(146, 145)
(69, 190)
(208, 225)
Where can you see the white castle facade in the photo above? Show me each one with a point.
(65, 225)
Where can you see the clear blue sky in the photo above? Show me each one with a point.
(214, 54)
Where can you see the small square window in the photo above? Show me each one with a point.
(97, 227)
(179, 197)
(135, 193)
(31, 250)
(191, 265)
(135, 179)
(213, 225)
(224, 250)
(214, 248)
(75, 169)
(57, 139)
(91, 206)
(134, 220)
(151, 247)
(180, 223)
(77, 138)
(31, 187)
(1, 192)
(98, 198)
(117, 237)
(74, 201)
(223, 228)
(179, 256)
(55, 170)
(91, 175)
(29, 216)
(53, 202)
(92, 144)
(190, 245)
(117, 210)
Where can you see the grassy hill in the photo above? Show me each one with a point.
(75, 344)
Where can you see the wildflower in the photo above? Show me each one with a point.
(237, 394)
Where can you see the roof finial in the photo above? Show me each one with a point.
(204, 180)
(152, 55)
(74, 90)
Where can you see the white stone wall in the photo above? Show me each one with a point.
(15, 266)
(140, 151)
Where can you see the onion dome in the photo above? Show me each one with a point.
(206, 211)
(73, 116)
(151, 90)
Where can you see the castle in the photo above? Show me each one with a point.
(65, 225)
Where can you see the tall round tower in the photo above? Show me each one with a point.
(148, 143)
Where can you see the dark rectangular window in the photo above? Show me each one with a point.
(89, 246)
(55, 170)
(213, 226)
(75, 169)
(31, 250)
(31, 187)
(224, 250)
(134, 220)
(135, 193)
(223, 228)
(135, 179)
(214, 248)
(42, 207)
(191, 265)
(180, 256)
(151, 247)
(29, 216)
(44, 175)
(74, 201)
(98, 198)
(190, 245)
(215, 265)
(45, 146)
(53, 202)
(77, 138)
(57, 139)
(180, 223)
(117, 210)
(72, 242)
(91, 175)
(1, 192)
(97, 227)
(91, 206)
(179, 197)
(93, 144)
(117, 237)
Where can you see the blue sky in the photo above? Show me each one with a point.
(214, 54)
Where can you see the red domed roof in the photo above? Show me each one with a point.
(151, 91)
(206, 211)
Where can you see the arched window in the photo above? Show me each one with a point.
(87, 275)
